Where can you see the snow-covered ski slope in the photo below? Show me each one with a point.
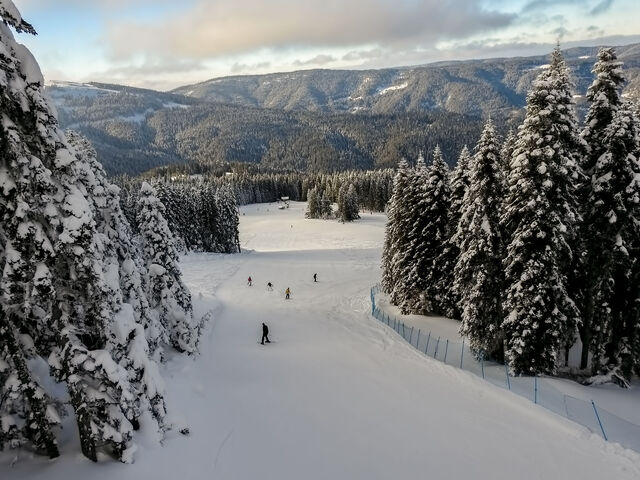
(339, 396)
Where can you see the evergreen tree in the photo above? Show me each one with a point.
(313, 204)
(169, 298)
(227, 226)
(478, 272)
(395, 229)
(411, 260)
(614, 227)
(348, 208)
(540, 213)
(591, 265)
(437, 260)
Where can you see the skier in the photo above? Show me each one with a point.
(265, 333)
(270, 286)
(315, 277)
(249, 281)
(287, 292)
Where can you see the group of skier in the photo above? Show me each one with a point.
(287, 295)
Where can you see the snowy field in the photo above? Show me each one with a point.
(337, 395)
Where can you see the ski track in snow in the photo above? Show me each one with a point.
(339, 395)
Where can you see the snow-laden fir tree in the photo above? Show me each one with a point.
(613, 213)
(313, 204)
(411, 260)
(540, 213)
(136, 336)
(169, 298)
(57, 302)
(438, 296)
(27, 254)
(348, 209)
(478, 273)
(590, 266)
(396, 228)
(227, 225)
(459, 185)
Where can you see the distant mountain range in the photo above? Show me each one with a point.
(474, 87)
(313, 119)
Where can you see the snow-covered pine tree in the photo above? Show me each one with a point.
(313, 207)
(591, 264)
(168, 297)
(228, 220)
(325, 206)
(459, 185)
(478, 272)
(28, 150)
(348, 209)
(613, 211)
(411, 260)
(395, 233)
(438, 296)
(540, 212)
(134, 335)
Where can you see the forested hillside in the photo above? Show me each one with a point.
(134, 130)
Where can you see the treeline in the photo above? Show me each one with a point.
(533, 242)
(202, 216)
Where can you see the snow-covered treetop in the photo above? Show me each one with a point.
(11, 16)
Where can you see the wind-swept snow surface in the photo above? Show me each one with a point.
(337, 395)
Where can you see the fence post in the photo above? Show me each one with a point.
(462, 354)
(436, 351)
(411, 336)
(506, 371)
(482, 364)
(535, 389)
(427, 347)
(599, 422)
(418, 340)
(446, 349)
(373, 302)
(403, 331)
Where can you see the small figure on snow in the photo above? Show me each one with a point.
(249, 281)
(287, 292)
(269, 286)
(265, 333)
(315, 277)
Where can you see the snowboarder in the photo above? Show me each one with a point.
(249, 281)
(265, 333)
(315, 277)
(287, 292)
(269, 286)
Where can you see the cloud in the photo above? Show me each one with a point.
(356, 55)
(535, 5)
(226, 27)
(601, 7)
(237, 67)
(560, 32)
(317, 60)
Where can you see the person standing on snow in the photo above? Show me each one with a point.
(287, 292)
(315, 277)
(270, 286)
(249, 281)
(265, 333)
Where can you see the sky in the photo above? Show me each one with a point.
(163, 44)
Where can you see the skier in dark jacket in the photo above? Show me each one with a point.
(315, 277)
(265, 333)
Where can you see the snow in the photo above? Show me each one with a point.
(338, 395)
(392, 88)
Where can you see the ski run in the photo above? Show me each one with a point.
(337, 394)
